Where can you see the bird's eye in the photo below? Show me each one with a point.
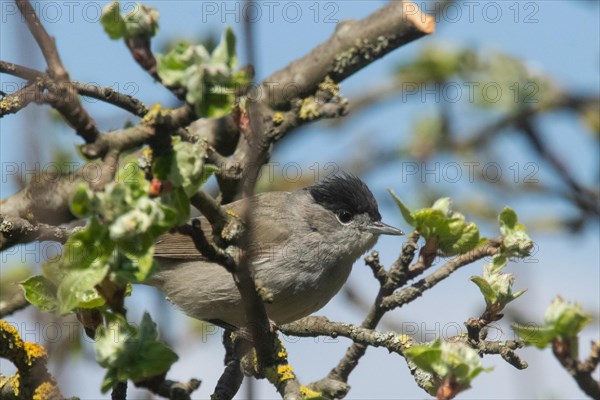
(344, 217)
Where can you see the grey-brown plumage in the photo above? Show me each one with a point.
(302, 247)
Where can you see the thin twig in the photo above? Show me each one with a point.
(103, 93)
(586, 199)
(408, 294)
(68, 103)
(231, 379)
(14, 102)
(396, 276)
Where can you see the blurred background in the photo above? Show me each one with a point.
(499, 107)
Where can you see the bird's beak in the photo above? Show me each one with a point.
(379, 228)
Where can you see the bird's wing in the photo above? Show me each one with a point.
(179, 244)
(267, 231)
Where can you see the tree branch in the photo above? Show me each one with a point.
(15, 303)
(563, 352)
(395, 277)
(354, 45)
(170, 389)
(408, 294)
(32, 379)
(68, 103)
(14, 102)
(14, 231)
(103, 93)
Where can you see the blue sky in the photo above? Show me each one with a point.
(558, 38)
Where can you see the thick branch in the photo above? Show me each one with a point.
(33, 379)
(46, 197)
(306, 88)
(354, 45)
(17, 230)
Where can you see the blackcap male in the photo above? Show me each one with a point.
(302, 247)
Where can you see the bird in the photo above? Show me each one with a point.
(301, 245)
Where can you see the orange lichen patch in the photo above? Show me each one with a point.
(10, 335)
(309, 393)
(46, 391)
(281, 351)
(34, 351)
(285, 372)
(13, 382)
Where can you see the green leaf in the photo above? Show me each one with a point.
(137, 268)
(184, 167)
(40, 292)
(112, 21)
(563, 320)
(447, 359)
(172, 66)
(485, 288)
(224, 53)
(538, 336)
(499, 261)
(426, 357)
(406, 213)
(567, 319)
(141, 21)
(77, 288)
(496, 286)
(129, 352)
(465, 237)
(437, 64)
(84, 202)
(209, 79)
(508, 221)
(85, 246)
(443, 205)
(453, 234)
(515, 241)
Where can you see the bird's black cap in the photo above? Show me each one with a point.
(345, 192)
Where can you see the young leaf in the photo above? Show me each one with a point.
(112, 21)
(562, 320)
(515, 241)
(443, 205)
(567, 319)
(40, 292)
(538, 336)
(486, 289)
(427, 358)
(142, 21)
(131, 353)
(496, 286)
(224, 53)
(77, 288)
(456, 361)
(406, 213)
